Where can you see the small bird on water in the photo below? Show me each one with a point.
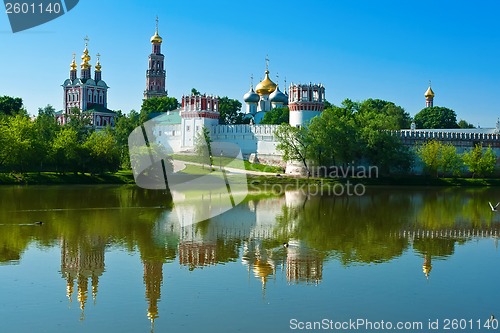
(38, 223)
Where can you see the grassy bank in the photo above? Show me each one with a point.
(261, 181)
(44, 178)
(126, 177)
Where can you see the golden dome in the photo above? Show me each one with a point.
(85, 59)
(98, 63)
(156, 39)
(262, 269)
(73, 63)
(429, 92)
(266, 86)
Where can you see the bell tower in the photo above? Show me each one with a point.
(156, 74)
(429, 97)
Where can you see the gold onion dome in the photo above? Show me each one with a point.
(429, 92)
(73, 64)
(85, 59)
(266, 86)
(98, 63)
(156, 39)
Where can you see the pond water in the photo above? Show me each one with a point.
(113, 259)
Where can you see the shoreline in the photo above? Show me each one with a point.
(254, 181)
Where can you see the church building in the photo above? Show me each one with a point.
(88, 95)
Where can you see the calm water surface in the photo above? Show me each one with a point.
(112, 259)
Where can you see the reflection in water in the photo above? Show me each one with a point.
(373, 229)
(82, 260)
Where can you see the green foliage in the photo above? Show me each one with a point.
(44, 132)
(463, 124)
(103, 152)
(440, 158)
(12, 106)
(16, 138)
(195, 92)
(125, 124)
(381, 115)
(355, 132)
(65, 150)
(203, 146)
(333, 137)
(436, 117)
(276, 116)
(157, 104)
(43, 145)
(294, 143)
(230, 111)
(80, 122)
(480, 162)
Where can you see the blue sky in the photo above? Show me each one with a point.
(357, 49)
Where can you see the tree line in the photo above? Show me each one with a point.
(40, 144)
(359, 133)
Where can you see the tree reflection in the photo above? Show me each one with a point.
(374, 228)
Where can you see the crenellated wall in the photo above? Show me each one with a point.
(252, 139)
(463, 138)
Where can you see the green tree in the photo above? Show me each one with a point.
(429, 154)
(45, 129)
(381, 114)
(203, 146)
(480, 162)
(11, 106)
(157, 104)
(436, 117)
(374, 119)
(80, 122)
(65, 150)
(125, 124)
(17, 134)
(103, 152)
(276, 116)
(195, 92)
(333, 137)
(439, 158)
(450, 161)
(230, 111)
(464, 124)
(293, 142)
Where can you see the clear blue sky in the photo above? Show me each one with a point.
(357, 49)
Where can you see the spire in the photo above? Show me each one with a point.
(156, 39)
(267, 63)
(251, 81)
